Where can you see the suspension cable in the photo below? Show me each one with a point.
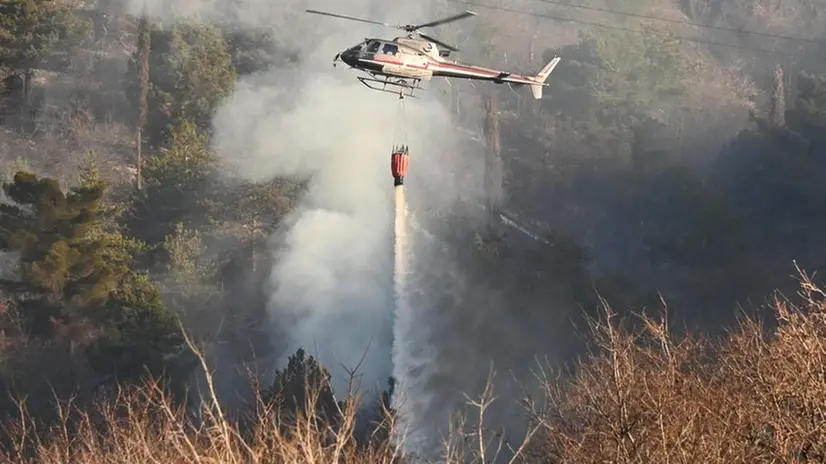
(400, 133)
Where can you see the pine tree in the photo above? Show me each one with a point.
(303, 387)
(176, 183)
(35, 31)
(190, 72)
(76, 279)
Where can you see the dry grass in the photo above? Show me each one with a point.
(148, 425)
(642, 396)
(758, 396)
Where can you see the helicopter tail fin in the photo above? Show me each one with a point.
(542, 76)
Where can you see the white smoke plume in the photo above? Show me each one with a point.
(332, 286)
(333, 278)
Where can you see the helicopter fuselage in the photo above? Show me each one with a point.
(390, 58)
(411, 58)
(419, 57)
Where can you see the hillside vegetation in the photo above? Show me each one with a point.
(662, 169)
(642, 395)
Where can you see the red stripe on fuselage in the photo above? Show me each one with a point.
(386, 60)
(399, 63)
(467, 69)
(437, 66)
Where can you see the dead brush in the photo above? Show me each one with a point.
(644, 397)
(145, 425)
(641, 396)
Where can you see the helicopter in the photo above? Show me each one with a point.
(404, 62)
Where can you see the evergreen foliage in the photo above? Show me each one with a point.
(76, 277)
(178, 182)
(32, 31)
(303, 389)
(190, 73)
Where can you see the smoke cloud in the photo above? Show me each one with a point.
(331, 291)
(332, 285)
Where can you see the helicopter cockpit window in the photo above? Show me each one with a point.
(390, 49)
(373, 47)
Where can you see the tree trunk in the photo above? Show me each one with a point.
(454, 99)
(25, 107)
(493, 161)
(139, 158)
(778, 110)
(143, 78)
(254, 245)
(28, 74)
(72, 372)
(532, 63)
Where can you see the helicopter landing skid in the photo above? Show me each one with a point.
(400, 84)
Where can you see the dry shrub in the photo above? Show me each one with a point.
(145, 425)
(646, 397)
(643, 396)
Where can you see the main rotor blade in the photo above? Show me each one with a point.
(348, 17)
(447, 20)
(439, 42)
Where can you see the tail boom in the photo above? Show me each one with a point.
(542, 76)
(538, 81)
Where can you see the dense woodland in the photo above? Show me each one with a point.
(658, 169)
